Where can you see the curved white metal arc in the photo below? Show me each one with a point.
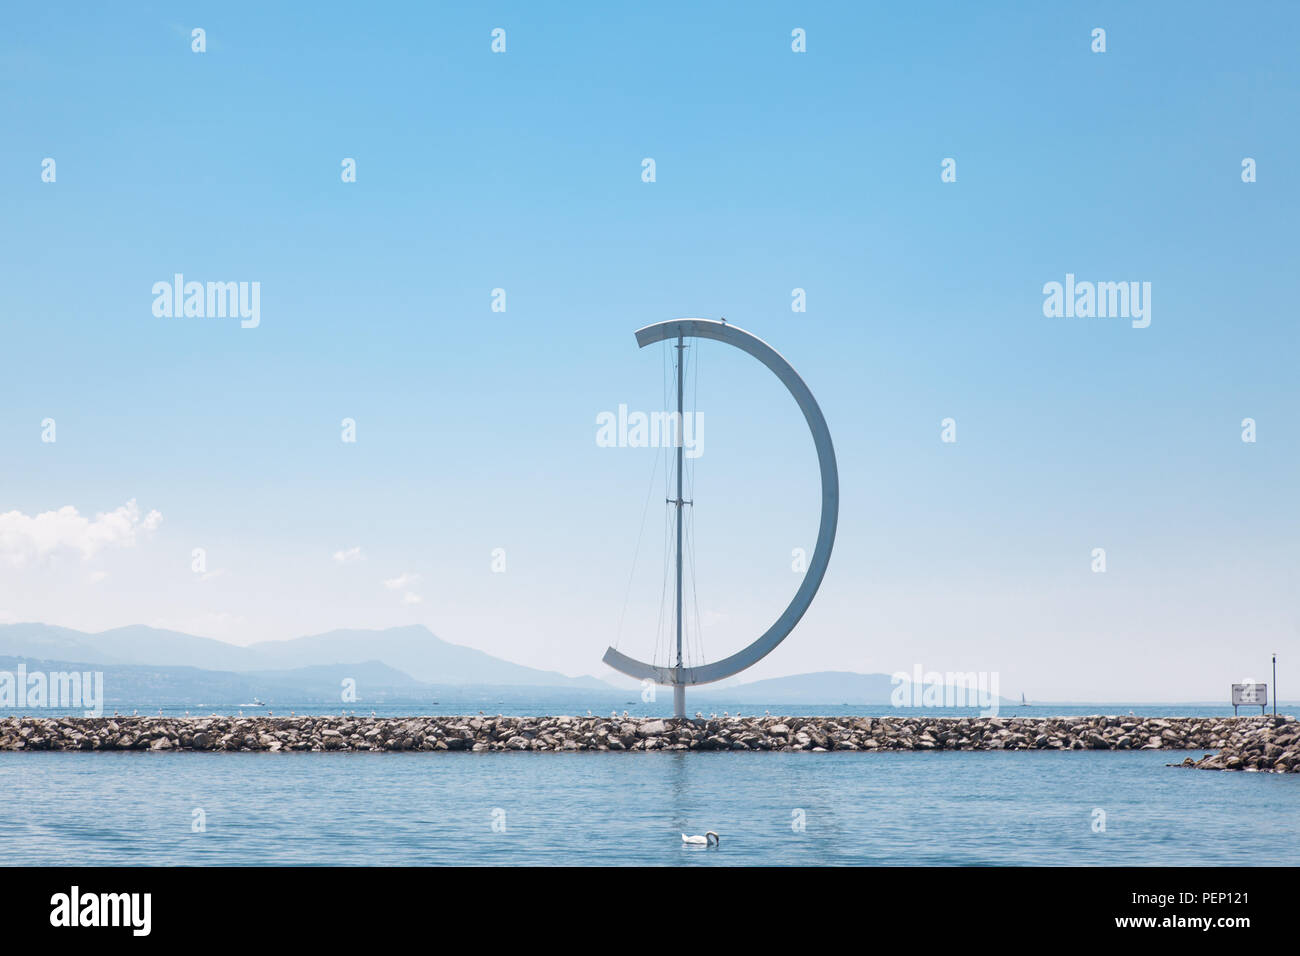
(746, 342)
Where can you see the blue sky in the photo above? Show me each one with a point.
(775, 170)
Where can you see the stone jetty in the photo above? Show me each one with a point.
(1239, 743)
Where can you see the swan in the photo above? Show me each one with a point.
(702, 840)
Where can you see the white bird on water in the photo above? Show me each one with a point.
(702, 840)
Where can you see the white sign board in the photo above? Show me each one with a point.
(1249, 695)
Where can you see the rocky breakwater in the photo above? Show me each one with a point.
(1256, 743)
(1241, 743)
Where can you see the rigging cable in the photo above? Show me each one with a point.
(627, 594)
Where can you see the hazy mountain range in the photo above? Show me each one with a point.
(415, 651)
(145, 666)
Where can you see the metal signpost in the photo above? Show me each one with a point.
(1249, 694)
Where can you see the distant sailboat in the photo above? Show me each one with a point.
(1023, 702)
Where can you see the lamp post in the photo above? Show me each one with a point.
(1275, 685)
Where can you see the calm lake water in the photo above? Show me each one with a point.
(423, 808)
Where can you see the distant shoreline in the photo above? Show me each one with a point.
(1241, 743)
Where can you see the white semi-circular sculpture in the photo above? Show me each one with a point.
(719, 670)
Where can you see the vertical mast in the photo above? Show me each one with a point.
(679, 689)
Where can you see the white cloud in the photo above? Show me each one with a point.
(401, 581)
(348, 555)
(25, 538)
